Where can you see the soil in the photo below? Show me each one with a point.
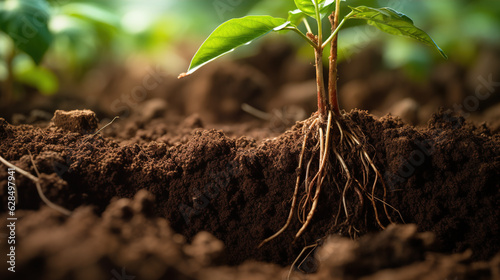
(443, 178)
(176, 189)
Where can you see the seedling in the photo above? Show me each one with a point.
(332, 132)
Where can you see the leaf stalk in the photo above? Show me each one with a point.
(336, 30)
(309, 41)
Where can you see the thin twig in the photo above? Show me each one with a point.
(117, 117)
(38, 187)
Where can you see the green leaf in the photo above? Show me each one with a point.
(96, 14)
(232, 34)
(27, 72)
(26, 22)
(327, 7)
(395, 23)
(295, 16)
(307, 7)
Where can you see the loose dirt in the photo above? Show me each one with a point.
(443, 178)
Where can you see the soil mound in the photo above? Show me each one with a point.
(443, 178)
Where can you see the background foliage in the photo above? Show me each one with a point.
(39, 37)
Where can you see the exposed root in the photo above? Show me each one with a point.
(305, 198)
(38, 187)
(368, 162)
(313, 246)
(320, 176)
(297, 184)
(348, 141)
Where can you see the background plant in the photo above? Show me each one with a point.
(87, 34)
(30, 28)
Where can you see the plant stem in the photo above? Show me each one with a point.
(318, 54)
(322, 101)
(306, 23)
(332, 73)
(320, 26)
(334, 33)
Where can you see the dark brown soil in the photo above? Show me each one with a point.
(443, 178)
(127, 242)
(223, 179)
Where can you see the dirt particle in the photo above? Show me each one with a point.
(3, 127)
(79, 121)
(153, 108)
(205, 249)
(143, 203)
(193, 121)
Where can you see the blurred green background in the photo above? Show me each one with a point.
(83, 34)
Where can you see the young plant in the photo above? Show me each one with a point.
(329, 149)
